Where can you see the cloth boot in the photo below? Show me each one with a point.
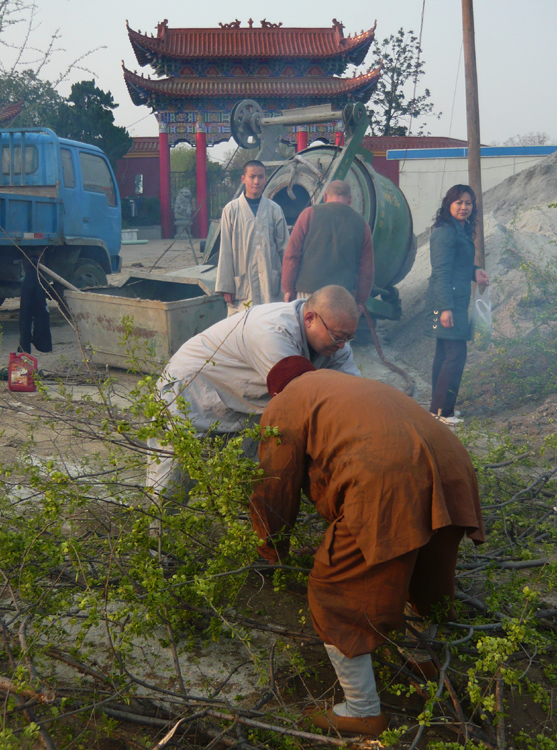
(357, 680)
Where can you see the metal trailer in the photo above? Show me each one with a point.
(146, 318)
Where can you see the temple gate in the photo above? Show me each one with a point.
(202, 73)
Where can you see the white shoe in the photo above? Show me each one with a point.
(448, 420)
(451, 421)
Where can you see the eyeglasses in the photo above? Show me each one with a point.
(334, 340)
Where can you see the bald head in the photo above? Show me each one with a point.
(334, 300)
(330, 319)
(338, 191)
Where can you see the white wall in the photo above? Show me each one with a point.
(424, 181)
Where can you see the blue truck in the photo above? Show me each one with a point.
(58, 199)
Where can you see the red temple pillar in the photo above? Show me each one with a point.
(164, 167)
(201, 171)
(302, 138)
(339, 138)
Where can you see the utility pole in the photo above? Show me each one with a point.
(473, 123)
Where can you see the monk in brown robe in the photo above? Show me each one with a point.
(399, 492)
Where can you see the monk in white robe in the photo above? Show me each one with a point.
(222, 371)
(253, 238)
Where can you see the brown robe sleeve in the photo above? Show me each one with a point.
(275, 502)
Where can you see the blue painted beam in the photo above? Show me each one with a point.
(460, 153)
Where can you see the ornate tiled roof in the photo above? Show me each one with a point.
(146, 90)
(233, 42)
(10, 112)
(143, 146)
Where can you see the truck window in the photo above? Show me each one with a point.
(96, 177)
(67, 168)
(31, 160)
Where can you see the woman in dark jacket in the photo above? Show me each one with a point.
(448, 296)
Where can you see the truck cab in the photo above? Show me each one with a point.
(58, 200)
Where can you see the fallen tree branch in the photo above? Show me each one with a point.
(511, 461)
(522, 564)
(168, 736)
(58, 655)
(338, 742)
(499, 712)
(44, 696)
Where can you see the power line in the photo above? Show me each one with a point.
(452, 113)
(138, 121)
(416, 69)
(417, 64)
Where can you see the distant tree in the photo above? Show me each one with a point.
(394, 107)
(31, 49)
(528, 139)
(236, 158)
(87, 116)
(25, 53)
(20, 51)
(182, 159)
(41, 101)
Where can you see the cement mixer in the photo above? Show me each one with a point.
(301, 181)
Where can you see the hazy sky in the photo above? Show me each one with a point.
(515, 49)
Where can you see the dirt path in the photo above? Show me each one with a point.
(158, 256)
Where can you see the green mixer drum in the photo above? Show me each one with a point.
(295, 184)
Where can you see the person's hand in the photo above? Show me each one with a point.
(482, 279)
(228, 297)
(447, 319)
(289, 296)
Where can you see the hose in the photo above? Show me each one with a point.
(409, 383)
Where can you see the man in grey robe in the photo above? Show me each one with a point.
(222, 372)
(253, 238)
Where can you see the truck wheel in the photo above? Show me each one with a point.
(88, 273)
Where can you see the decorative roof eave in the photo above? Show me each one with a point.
(143, 147)
(146, 90)
(10, 112)
(271, 41)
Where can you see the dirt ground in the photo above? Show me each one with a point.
(161, 256)
(66, 361)
(402, 344)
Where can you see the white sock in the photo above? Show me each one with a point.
(357, 679)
